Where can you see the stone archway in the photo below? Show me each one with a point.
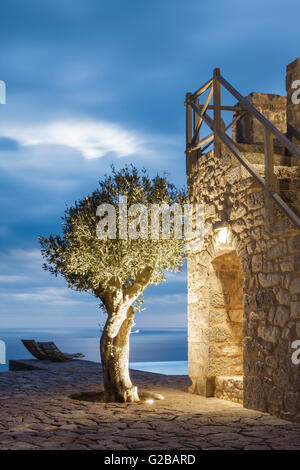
(225, 354)
(216, 315)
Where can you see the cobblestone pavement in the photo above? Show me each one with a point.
(36, 412)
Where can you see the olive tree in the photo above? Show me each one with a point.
(117, 269)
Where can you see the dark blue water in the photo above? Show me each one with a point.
(163, 351)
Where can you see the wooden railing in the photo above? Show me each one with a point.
(196, 114)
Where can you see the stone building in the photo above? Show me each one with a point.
(244, 282)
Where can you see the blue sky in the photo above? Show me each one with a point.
(94, 82)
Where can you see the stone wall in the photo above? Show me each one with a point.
(269, 278)
(249, 130)
(293, 109)
(229, 388)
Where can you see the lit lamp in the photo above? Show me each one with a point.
(221, 229)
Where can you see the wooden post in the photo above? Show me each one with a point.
(270, 178)
(217, 112)
(188, 122)
(196, 123)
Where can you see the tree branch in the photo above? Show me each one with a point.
(141, 281)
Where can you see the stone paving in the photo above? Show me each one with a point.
(36, 412)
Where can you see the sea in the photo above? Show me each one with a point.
(162, 351)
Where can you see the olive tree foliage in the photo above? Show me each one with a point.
(118, 270)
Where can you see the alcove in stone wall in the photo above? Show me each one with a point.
(225, 327)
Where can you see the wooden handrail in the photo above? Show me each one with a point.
(188, 121)
(203, 110)
(218, 135)
(267, 124)
(234, 109)
(270, 178)
(217, 123)
(210, 137)
(232, 147)
(200, 91)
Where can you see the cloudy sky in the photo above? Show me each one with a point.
(95, 82)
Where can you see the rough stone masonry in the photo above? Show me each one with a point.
(244, 283)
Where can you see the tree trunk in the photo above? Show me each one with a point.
(115, 358)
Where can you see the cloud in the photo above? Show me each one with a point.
(30, 296)
(11, 279)
(20, 265)
(21, 254)
(8, 144)
(49, 295)
(166, 299)
(176, 277)
(94, 139)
